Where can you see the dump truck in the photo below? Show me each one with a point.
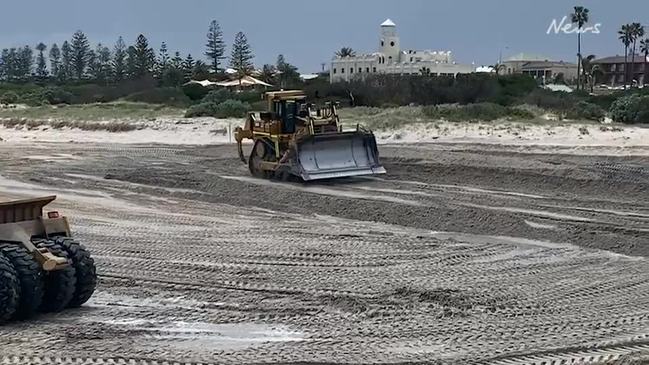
(295, 138)
(42, 268)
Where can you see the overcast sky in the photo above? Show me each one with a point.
(308, 32)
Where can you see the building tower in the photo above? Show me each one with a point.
(390, 46)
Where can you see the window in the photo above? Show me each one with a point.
(382, 43)
(342, 70)
(411, 59)
(351, 70)
(360, 69)
(334, 70)
(392, 44)
(390, 59)
(373, 69)
(367, 70)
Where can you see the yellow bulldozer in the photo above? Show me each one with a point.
(42, 268)
(296, 138)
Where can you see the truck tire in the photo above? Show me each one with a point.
(59, 284)
(84, 266)
(30, 278)
(9, 289)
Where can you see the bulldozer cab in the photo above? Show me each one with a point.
(287, 109)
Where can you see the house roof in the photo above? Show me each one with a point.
(388, 23)
(526, 57)
(546, 64)
(619, 59)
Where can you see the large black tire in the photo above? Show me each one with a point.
(30, 277)
(84, 266)
(260, 152)
(9, 289)
(60, 284)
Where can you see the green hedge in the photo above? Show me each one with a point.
(226, 109)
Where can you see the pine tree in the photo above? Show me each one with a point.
(201, 71)
(241, 58)
(55, 59)
(131, 63)
(177, 61)
(144, 57)
(119, 60)
(41, 64)
(215, 45)
(163, 60)
(92, 66)
(79, 57)
(173, 75)
(25, 62)
(65, 71)
(287, 73)
(6, 62)
(188, 67)
(99, 66)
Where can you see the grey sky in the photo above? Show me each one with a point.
(309, 32)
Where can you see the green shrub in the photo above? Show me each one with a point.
(519, 113)
(585, 110)
(9, 97)
(162, 95)
(630, 109)
(227, 109)
(218, 96)
(55, 95)
(479, 112)
(195, 91)
(470, 112)
(552, 100)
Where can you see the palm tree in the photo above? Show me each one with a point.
(587, 68)
(625, 36)
(595, 74)
(579, 17)
(637, 31)
(346, 52)
(644, 48)
(498, 67)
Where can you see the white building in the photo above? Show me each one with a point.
(391, 59)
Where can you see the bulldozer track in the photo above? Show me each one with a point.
(460, 277)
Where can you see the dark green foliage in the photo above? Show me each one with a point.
(9, 97)
(65, 71)
(41, 64)
(585, 110)
(119, 60)
(164, 95)
(55, 60)
(143, 62)
(382, 90)
(195, 91)
(551, 100)
(474, 112)
(55, 95)
(218, 96)
(286, 73)
(241, 58)
(80, 51)
(226, 109)
(630, 109)
(215, 51)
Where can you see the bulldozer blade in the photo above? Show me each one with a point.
(337, 155)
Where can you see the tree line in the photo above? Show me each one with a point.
(75, 60)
